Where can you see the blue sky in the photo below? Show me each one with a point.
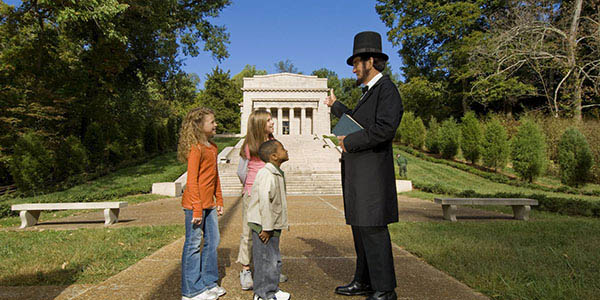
(310, 33)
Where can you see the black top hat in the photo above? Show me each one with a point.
(367, 42)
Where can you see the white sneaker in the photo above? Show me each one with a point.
(281, 295)
(206, 295)
(220, 291)
(246, 280)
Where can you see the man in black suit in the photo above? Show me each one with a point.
(368, 177)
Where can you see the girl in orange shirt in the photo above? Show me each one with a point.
(202, 201)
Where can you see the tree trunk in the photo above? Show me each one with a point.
(576, 98)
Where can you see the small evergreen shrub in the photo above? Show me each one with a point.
(151, 138)
(32, 164)
(402, 134)
(95, 143)
(432, 137)
(528, 151)
(116, 153)
(449, 138)
(495, 145)
(417, 134)
(574, 158)
(470, 142)
(71, 158)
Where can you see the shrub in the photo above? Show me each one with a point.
(495, 145)
(71, 158)
(150, 138)
(5, 178)
(574, 158)
(471, 135)
(432, 139)
(32, 164)
(408, 118)
(449, 138)
(95, 143)
(529, 151)
(417, 134)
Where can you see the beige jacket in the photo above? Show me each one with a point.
(268, 203)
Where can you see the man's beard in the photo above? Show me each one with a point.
(360, 80)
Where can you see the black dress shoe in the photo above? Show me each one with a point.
(354, 288)
(391, 295)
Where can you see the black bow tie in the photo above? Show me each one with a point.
(365, 89)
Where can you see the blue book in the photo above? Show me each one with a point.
(345, 126)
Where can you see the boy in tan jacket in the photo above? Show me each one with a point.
(267, 216)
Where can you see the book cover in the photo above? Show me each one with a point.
(345, 126)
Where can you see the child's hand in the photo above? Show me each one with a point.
(219, 210)
(197, 221)
(265, 236)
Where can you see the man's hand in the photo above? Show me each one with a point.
(265, 236)
(329, 100)
(341, 142)
(219, 210)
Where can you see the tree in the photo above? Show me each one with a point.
(495, 146)
(449, 138)
(529, 151)
(286, 67)
(470, 142)
(247, 71)
(436, 39)
(222, 95)
(69, 64)
(432, 138)
(574, 157)
(556, 41)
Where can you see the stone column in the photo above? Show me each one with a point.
(303, 130)
(279, 121)
(292, 117)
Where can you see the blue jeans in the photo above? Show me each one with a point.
(199, 271)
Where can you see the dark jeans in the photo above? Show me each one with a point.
(267, 266)
(374, 260)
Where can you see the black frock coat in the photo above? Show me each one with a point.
(368, 177)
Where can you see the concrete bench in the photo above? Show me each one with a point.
(31, 212)
(520, 206)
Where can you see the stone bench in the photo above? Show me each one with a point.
(520, 206)
(31, 212)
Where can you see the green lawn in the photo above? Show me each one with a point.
(549, 257)
(421, 171)
(66, 257)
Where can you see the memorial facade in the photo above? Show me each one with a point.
(294, 100)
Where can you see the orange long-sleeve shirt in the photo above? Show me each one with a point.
(203, 186)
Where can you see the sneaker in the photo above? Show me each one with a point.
(206, 295)
(220, 291)
(282, 278)
(246, 280)
(256, 297)
(281, 295)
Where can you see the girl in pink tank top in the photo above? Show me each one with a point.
(260, 129)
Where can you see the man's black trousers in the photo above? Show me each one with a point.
(374, 260)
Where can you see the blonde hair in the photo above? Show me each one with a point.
(256, 134)
(191, 133)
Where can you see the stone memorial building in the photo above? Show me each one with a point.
(294, 100)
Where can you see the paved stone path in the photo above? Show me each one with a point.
(317, 253)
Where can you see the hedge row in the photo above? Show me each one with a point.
(497, 177)
(565, 206)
